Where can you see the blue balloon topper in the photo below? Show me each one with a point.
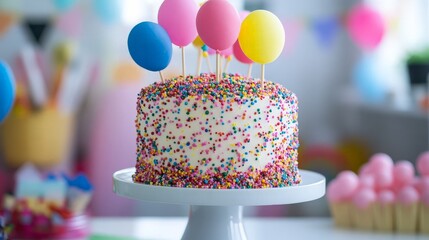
(7, 90)
(150, 46)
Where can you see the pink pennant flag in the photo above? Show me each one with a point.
(292, 30)
(70, 22)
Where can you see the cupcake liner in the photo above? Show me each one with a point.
(363, 219)
(341, 212)
(424, 218)
(406, 217)
(384, 217)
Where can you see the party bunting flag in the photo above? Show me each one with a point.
(326, 29)
(6, 20)
(71, 22)
(37, 28)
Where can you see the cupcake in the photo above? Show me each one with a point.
(339, 195)
(424, 212)
(363, 202)
(384, 211)
(406, 210)
(403, 175)
(422, 163)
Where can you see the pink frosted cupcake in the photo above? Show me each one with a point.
(406, 210)
(384, 211)
(422, 163)
(403, 175)
(363, 216)
(339, 196)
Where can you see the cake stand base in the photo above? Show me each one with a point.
(214, 223)
(217, 213)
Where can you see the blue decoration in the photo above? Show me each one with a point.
(325, 30)
(64, 5)
(7, 90)
(107, 10)
(150, 46)
(368, 80)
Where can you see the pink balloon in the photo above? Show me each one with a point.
(178, 17)
(366, 26)
(218, 24)
(239, 54)
(423, 164)
(226, 53)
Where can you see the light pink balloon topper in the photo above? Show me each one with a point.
(178, 18)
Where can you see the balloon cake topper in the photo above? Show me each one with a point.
(216, 27)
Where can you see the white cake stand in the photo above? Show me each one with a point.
(217, 213)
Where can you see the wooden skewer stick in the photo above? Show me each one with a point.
(225, 68)
(220, 65)
(262, 75)
(183, 62)
(200, 54)
(162, 77)
(217, 66)
(249, 71)
(209, 66)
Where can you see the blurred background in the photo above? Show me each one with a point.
(361, 89)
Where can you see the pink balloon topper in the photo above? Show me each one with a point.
(218, 24)
(239, 54)
(178, 18)
(366, 26)
(226, 53)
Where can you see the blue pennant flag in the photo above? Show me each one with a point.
(326, 30)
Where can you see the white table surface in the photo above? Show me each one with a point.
(157, 228)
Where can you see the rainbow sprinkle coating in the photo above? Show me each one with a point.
(200, 133)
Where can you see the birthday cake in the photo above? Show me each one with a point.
(200, 133)
(214, 130)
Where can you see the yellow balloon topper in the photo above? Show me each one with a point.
(262, 36)
(198, 42)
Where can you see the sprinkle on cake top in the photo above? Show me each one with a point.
(230, 86)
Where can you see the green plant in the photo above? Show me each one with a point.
(419, 57)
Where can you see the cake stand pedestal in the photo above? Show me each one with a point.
(217, 213)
